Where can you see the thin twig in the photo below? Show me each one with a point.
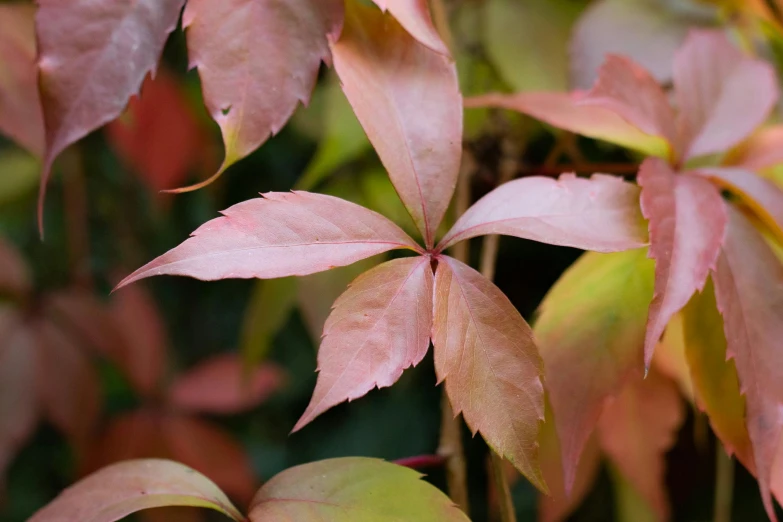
(724, 485)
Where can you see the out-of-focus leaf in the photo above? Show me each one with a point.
(528, 41)
(380, 196)
(591, 336)
(159, 135)
(601, 213)
(407, 98)
(270, 305)
(257, 60)
(91, 61)
(352, 490)
(132, 435)
(644, 30)
(637, 429)
(343, 138)
(722, 95)
(566, 111)
(670, 359)
(687, 222)
(415, 17)
(21, 117)
(19, 173)
(761, 152)
(15, 278)
(222, 384)
(379, 327)
(119, 490)
(485, 353)
(630, 506)
(279, 235)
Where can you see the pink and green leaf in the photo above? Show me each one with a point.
(415, 17)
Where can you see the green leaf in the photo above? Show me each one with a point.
(19, 174)
(629, 503)
(352, 490)
(269, 308)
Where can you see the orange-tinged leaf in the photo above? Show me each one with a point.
(670, 359)
(352, 490)
(407, 98)
(485, 353)
(637, 429)
(749, 292)
(722, 95)
(566, 111)
(415, 17)
(119, 490)
(687, 219)
(223, 384)
(601, 213)
(211, 451)
(91, 61)
(133, 435)
(378, 327)
(257, 60)
(279, 235)
(762, 151)
(590, 333)
(21, 117)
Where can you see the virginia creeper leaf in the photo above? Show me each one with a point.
(637, 429)
(763, 196)
(378, 327)
(352, 490)
(132, 435)
(407, 99)
(222, 384)
(119, 490)
(15, 279)
(279, 235)
(257, 60)
(722, 95)
(566, 111)
(601, 213)
(269, 308)
(670, 359)
(762, 151)
(591, 336)
(485, 353)
(687, 219)
(21, 117)
(415, 17)
(91, 61)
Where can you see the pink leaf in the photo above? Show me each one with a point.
(257, 60)
(223, 384)
(407, 99)
(762, 151)
(213, 452)
(279, 235)
(687, 224)
(14, 274)
(566, 111)
(119, 490)
(20, 107)
(722, 95)
(380, 326)
(628, 90)
(415, 17)
(637, 429)
(749, 292)
(763, 196)
(133, 435)
(91, 61)
(601, 213)
(485, 353)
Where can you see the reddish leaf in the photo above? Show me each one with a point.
(18, 398)
(760, 194)
(722, 95)
(687, 225)
(567, 111)
(407, 99)
(119, 490)
(637, 429)
(159, 135)
(14, 275)
(212, 452)
(415, 17)
(223, 384)
(670, 358)
(257, 60)
(484, 350)
(380, 326)
(279, 235)
(628, 90)
(20, 108)
(132, 435)
(749, 291)
(91, 61)
(601, 213)
(762, 151)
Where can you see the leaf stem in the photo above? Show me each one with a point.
(724, 485)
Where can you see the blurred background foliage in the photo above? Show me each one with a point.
(105, 216)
